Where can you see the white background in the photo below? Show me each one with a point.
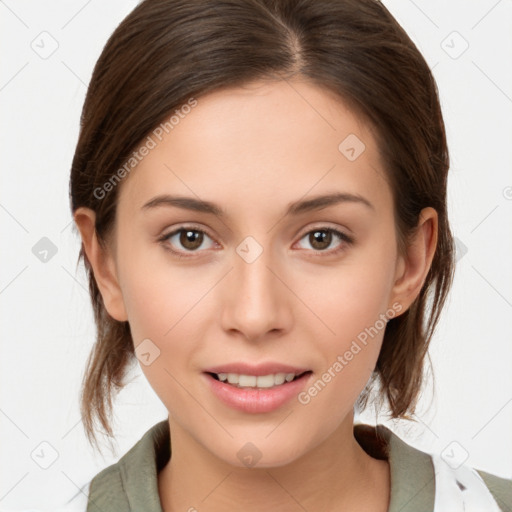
(46, 319)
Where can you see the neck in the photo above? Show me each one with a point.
(336, 475)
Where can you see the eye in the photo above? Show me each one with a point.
(321, 238)
(186, 239)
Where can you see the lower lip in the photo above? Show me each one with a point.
(257, 400)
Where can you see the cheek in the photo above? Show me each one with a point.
(165, 304)
(349, 298)
(157, 292)
(161, 312)
(349, 357)
(352, 306)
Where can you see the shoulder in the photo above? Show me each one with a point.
(421, 480)
(132, 482)
(458, 486)
(106, 490)
(499, 487)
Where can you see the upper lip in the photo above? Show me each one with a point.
(256, 369)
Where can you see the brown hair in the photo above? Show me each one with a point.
(167, 51)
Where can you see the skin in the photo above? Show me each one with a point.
(253, 150)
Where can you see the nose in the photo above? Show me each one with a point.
(256, 299)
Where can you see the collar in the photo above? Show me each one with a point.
(412, 470)
(132, 482)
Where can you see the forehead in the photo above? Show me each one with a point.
(243, 145)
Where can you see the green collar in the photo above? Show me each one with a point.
(412, 471)
(132, 483)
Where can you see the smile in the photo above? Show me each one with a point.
(256, 394)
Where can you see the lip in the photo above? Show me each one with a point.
(258, 369)
(254, 400)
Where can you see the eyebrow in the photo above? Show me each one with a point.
(295, 208)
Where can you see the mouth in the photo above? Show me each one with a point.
(256, 388)
(271, 380)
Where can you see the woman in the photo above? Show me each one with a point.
(260, 189)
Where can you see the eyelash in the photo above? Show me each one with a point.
(348, 240)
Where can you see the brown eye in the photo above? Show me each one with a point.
(186, 240)
(191, 239)
(320, 239)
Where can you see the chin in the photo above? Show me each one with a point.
(261, 452)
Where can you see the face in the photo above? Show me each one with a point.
(268, 284)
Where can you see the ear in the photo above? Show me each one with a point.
(412, 268)
(103, 264)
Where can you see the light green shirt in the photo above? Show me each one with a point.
(132, 484)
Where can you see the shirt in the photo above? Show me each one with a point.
(420, 481)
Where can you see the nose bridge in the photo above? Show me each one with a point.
(256, 303)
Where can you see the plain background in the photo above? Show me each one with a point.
(49, 50)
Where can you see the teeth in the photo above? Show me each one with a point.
(233, 378)
(279, 378)
(260, 381)
(246, 381)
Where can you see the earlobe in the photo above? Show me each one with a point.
(102, 263)
(413, 267)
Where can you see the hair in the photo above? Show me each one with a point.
(168, 51)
